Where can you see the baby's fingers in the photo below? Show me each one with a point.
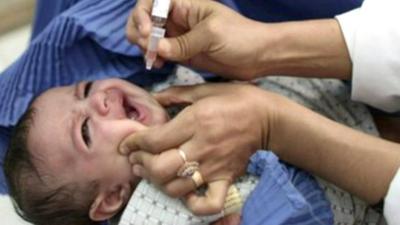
(213, 200)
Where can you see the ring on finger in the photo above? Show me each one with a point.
(197, 178)
(188, 168)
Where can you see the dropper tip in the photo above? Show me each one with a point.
(149, 65)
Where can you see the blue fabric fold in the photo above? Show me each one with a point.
(4, 136)
(284, 195)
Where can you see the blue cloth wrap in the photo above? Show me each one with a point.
(284, 195)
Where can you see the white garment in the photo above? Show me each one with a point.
(372, 35)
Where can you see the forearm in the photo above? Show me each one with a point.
(313, 48)
(359, 163)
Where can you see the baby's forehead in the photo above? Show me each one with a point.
(50, 118)
(52, 94)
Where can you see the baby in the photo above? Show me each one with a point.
(63, 166)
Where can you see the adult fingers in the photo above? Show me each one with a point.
(159, 63)
(179, 187)
(178, 95)
(205, 62)
(213, 200)
(187, 94)
(184, 46)
(141, 16)
(158, 168)
(138, 25)
(157, 139)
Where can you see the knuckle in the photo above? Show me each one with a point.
(132, 158)
(212, 26)
(205, 114)
(171, 191)
(184, 49)
(142, 43)
(130, 34)
(129, 28)
(213, 29)
(158, 172)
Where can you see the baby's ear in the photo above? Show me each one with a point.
(108, 203)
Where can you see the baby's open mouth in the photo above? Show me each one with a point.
(134, 110)
(131, 111)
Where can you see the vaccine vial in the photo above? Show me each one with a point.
(159, 14)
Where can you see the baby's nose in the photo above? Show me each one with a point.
(100, 102)
(110, 104)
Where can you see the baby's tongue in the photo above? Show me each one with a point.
(133, 114)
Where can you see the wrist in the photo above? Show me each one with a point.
(268, 51)
(307, 48)
(270, 116)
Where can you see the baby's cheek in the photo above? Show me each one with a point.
(114, 133)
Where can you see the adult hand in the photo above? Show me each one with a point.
(223, 127)
(206, 35)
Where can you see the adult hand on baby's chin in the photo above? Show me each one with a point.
(224, 125)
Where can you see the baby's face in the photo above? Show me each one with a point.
(76, 130)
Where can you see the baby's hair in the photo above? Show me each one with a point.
(35, 200)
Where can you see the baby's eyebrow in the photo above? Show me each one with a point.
(76, 90)
(73, 127)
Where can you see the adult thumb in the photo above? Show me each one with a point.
(190, 94)
(185, 46)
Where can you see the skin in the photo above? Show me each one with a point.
(53, 136)
(217, 171)
(313, 143)
(56, 137)
(199, 34)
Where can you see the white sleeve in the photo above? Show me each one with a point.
(391, 207)
(372, 35)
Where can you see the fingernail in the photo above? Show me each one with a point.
(132, 159)
(123, 149)
(137, 170)
(140, 27)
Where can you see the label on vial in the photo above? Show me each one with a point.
(160, 8)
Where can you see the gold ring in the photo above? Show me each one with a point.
(197, 178)
(188, 169)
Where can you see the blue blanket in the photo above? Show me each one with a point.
(284, 195)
